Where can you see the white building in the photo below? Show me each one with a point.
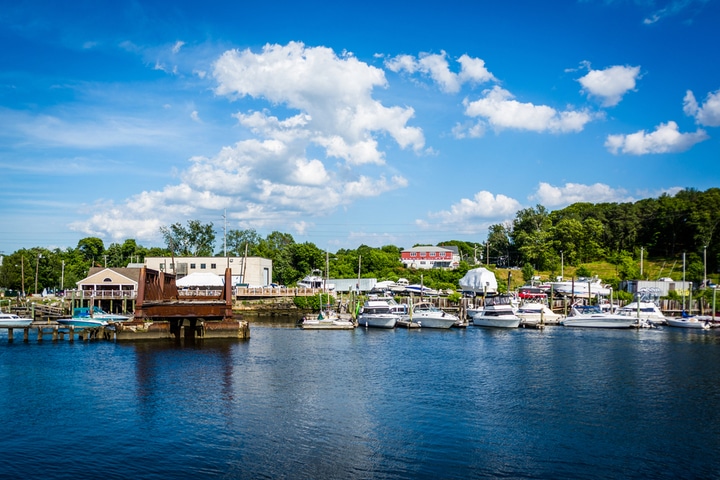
(253, 271)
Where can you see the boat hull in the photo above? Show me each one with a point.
(497, 321)
(688, 323)
(21, 323)
(599, 322)
(81, 322)
(436, 322)
(378, 321)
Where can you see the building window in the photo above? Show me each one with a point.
(432, 254)
(213, 266)
(413, 254)
(202, 266)
(192, 266)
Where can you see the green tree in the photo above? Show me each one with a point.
(531, 235)
(237, 240)
(195, 240)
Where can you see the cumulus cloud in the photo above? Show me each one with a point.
(499, 109)
(708, 114)
(665, 139)
(436, 66)
(303, 165)
(553, 196)
(473, 214)
(611, 83)
(335, 92)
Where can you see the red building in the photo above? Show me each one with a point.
(431, 257)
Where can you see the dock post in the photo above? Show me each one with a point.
(54, 334)
(10, 334)
(26, 334)
(72, 333)
(40, 334)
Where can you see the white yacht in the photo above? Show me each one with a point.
(535, 311)
(378, 314)
(593, 317)
(648, 311)
(10, 320)
(498, 312)
(429, 316)
(581, 287)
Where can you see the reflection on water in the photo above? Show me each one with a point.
(364, 403)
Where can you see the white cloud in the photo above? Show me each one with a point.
(335, 92)
(195, 116)
(708, 114)
(611, 83)
(178, 45)
(552, 196)
(500, 110)
(269, 178)
(665, 139)
(473, 214)
(472, 70)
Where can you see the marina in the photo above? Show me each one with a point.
(369, 403)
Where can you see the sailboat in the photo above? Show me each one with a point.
(327, 319)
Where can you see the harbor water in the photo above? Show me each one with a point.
(558, 403)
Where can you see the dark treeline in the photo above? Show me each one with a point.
(662, 228)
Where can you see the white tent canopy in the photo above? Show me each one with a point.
(479, 280)
(201, 279)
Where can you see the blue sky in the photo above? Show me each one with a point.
(348, 123)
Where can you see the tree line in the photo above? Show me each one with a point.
(535, 240)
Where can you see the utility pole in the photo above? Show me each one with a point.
(37, 268)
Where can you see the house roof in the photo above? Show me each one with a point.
(100, 275)
(428, 248)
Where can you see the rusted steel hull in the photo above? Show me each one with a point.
(160, 312)
(158, 300)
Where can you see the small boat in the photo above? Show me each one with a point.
(582, 287)
(378, 314)
(327, 320)
(643, 310)
(689, 321)
(418, 289)
(535, 311)
(498, 312)
(82, 322)
(10, 320)
(593, 317)
(99, 314)
(428, 315)
(315, 280)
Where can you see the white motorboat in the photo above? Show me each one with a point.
(327, 319)
(429, 316)
(582, 287)
(473, 310)
(593, 317)
(498, 312)
(399, 286)
(647, 311)
(689, 322)
(378, 314)
(11, 320)
(315, 280)
(417, 289)
(535, 311)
